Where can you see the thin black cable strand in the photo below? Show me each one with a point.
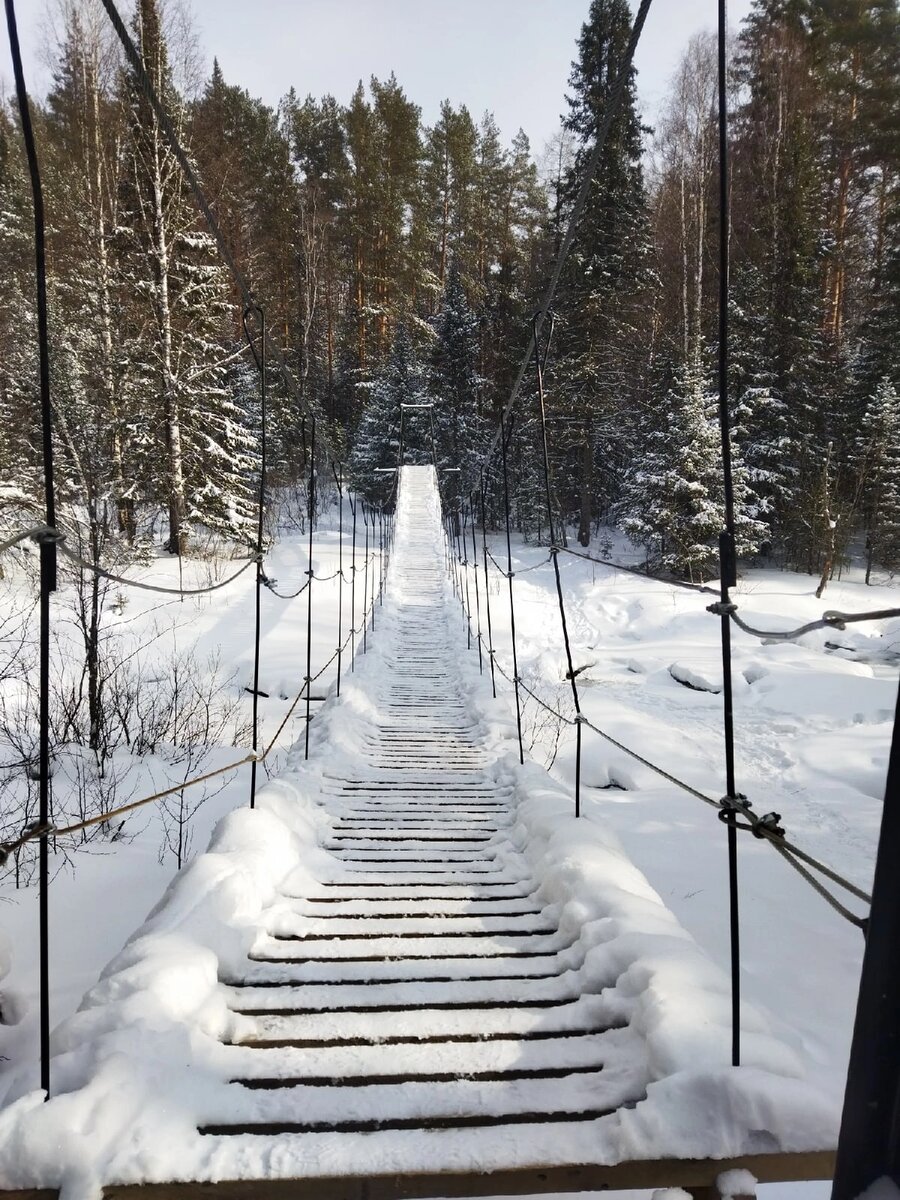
(36, 532)
(365, 600)
(477, 588)
(76, 558)
(512, 605)
(339, 480)
(353, 502)
(168, 129)
(832, 619)
(464, 566)
(788, 850)
(260, 359)
(47, 544)
(309, 594)
(554, 554)
(609, 115)
(605, 562)
(727, 549)
(522, 570)
(487, 587)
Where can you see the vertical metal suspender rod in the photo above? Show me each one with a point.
(487, 589)
(869, 1142)
(47, 544)
(477, 597)
(381, 556)
(372, 606)
(354, 504)
(309, 589)
(339, 480)
(509, 575)
(554, 554)
(260, 359)
(462, 550)
(727, 547)
(365, 614)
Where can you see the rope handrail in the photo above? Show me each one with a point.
(83, 563)
(831, 619)
(605, 562)
(37, 531)
(755, 824)
(8, 848)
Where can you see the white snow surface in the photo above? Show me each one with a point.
(149, 1054)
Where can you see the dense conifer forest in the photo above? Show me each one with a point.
(399, 262)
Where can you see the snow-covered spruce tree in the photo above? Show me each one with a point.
(599, 346)
(878, 466)
(764, 433)
(674, 502)
(400, 380)
(195, 452)
(455, 384)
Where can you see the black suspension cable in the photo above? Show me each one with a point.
(309, 594)
(512, 606)
(260, 359)
(365, 603)
(727, 543)
(487, 588)
(477, 597)
(554, 554)
(353, 501)
(47, 541)
(610, 110)
(339, 480)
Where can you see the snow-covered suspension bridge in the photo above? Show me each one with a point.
(411, 972)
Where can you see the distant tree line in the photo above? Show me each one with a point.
(401, 263)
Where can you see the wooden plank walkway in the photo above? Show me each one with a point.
(423, 989)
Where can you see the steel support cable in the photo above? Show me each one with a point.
(477, 589)
(605, 562)
(727, 540)
(610, 112)
(171, 136)
(788, 850)
(832, 619)
(309, 593)
(260, 359)
(512, 607)
(36, 532)
(48, 542)
(76, 558)
(487, 589)
(522, 570)
(571, 674)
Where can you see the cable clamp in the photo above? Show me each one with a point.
(48, 535)
(834, 619)
(731, 806)
(510, 574)
(579, 719)
(722, 608)
(769, 824)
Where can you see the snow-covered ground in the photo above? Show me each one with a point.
(106, 888)
(813, 724)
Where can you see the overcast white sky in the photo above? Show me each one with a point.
(509, 56)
